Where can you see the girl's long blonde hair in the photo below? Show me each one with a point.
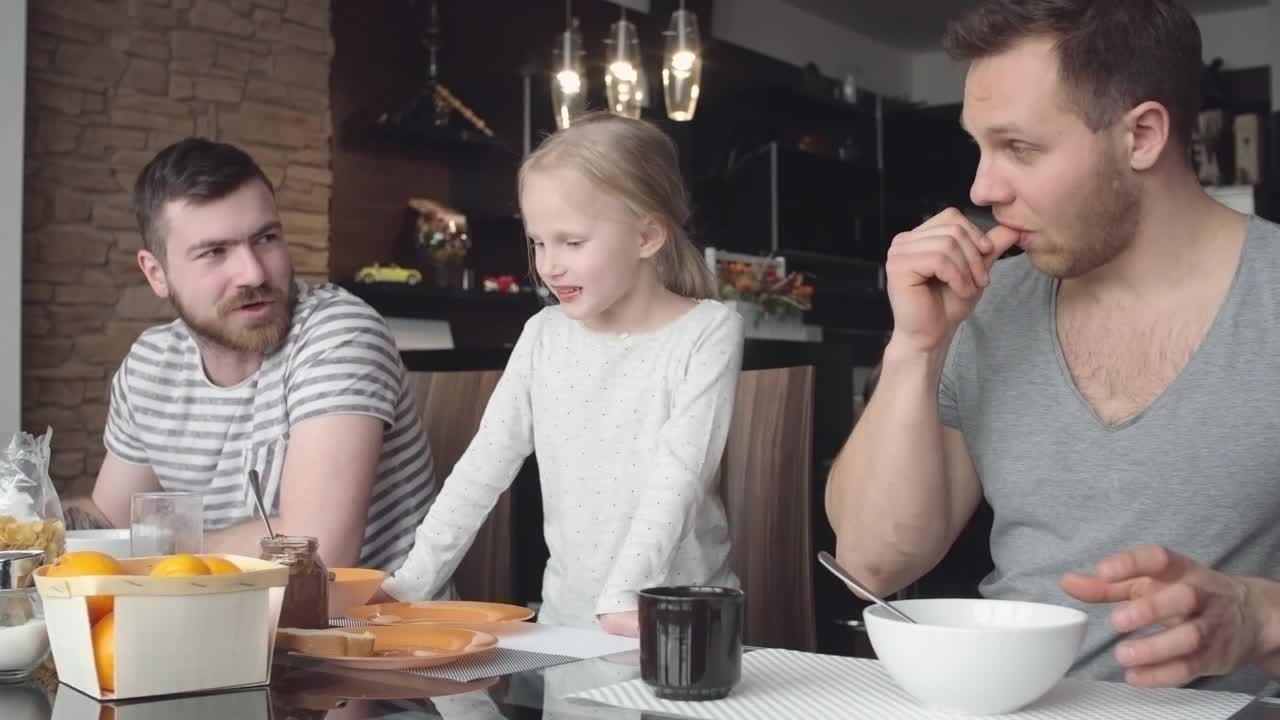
(638, 164)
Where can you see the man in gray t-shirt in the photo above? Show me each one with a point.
(1112, 394)
(1196, 470)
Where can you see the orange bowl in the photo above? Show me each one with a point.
(352, 587)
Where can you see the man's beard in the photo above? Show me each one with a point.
(260, 337)
(1104, 226)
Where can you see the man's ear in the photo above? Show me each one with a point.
(1147, 130)
(153, 271)
(653, 235)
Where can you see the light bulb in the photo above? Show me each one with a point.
(682, 61)
(570, 81)
(623, 72)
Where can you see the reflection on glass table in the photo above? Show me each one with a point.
(303, 689)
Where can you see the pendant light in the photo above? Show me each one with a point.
(622, 71)
(682, 65)
(568, 77)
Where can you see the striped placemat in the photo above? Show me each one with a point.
(495, 662)
(785, 684)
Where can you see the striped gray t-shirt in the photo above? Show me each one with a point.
(339, 357)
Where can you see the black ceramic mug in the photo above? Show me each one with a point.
(691, 641)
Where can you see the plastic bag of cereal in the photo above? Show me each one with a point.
(30, 511)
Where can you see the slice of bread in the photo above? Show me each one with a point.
(331, 642)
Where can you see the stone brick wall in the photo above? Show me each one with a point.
(109, 83)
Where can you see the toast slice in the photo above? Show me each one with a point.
(330, 642)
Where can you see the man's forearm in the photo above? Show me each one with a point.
(246, 539)
(889, 501)
(242, 539)
(82, 514)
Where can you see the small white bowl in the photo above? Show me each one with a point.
(976, 657)
(112, 542)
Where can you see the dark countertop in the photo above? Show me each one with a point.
(484, 321)
(850, 350)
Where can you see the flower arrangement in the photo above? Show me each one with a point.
(779, 294)
(441, 233)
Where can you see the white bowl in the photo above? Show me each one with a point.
(976, 657)
(112, 542)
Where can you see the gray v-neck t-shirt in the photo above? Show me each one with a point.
(1197, 471)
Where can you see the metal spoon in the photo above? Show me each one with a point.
(830, 564)
(257, 496)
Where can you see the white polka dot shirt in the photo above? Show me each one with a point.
(628, 430)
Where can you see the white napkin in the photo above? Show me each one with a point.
(784, 684)
(555, 640)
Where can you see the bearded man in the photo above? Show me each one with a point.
(259, 372)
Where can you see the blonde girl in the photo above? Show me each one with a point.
(624, 386)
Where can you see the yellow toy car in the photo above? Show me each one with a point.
(376, 273)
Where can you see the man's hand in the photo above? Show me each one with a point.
(1213, 623)
(936, 273)
(621, 623)
(82, 514)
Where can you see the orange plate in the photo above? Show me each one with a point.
(474, 615)
(414, 647)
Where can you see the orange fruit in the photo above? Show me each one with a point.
(88, 562)
(85, 562)
(181, 565)
(220, 566)
(104, 651)
(100, 606)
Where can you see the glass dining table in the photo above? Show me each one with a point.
(303, 689)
